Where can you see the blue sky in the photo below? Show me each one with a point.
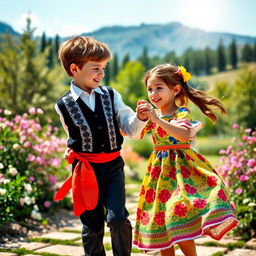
(78, 16)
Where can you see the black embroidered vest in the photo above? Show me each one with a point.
(91, 131)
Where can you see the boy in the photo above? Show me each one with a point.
(92, 116)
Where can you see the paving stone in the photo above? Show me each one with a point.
(31, 254)
(63, 250)
(26, 245)
(204, 250)
(61, 235)
(242, 252)
(223, 241)
(251, 243)
(75, 228)
(132, 186)
(7, 254)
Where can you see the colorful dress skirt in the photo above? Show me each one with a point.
(182, 197)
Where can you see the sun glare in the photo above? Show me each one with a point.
(205, 14)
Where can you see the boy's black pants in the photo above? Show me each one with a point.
(110, 208)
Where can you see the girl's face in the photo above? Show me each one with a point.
(160, 94)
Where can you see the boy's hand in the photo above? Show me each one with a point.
(143, 108)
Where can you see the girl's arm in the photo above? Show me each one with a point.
(180, 133)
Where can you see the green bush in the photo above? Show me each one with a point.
(30, 157)
(143, 147)
(210, 145)
(239, 171)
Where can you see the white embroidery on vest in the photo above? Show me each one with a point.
(78, 118)
(109, 115)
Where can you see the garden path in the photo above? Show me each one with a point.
(66, 240)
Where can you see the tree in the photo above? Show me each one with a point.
(107, 75)
(233, 54)
(126, 59)
(43, 42)
(221, 59)
(144, 58)
(247, 53)
(129, 83)
(114, 66)
(51, 54)
(244, 93)
(25, 79)
(207, 61)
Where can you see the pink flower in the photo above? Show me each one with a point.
(244, 178)
(47, 204)
(235, 126)
(26, 144)
(31, 158)
(239, 191)
(31, 178)
(248, 130)
(40, 111)
(251, 162)
(32, 111)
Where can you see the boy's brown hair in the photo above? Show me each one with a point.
(80, 49)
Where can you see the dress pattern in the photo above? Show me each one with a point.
(182, 197)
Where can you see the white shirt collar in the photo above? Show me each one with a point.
(76, 92)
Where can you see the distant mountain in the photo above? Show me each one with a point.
(158, 38)
(7, 29)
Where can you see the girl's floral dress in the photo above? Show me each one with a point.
(182, 197)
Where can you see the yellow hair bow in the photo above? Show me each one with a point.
(183, 72)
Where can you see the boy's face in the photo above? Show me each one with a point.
(90, 75)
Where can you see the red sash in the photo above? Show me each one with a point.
(83, 180)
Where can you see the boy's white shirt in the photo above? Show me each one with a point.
(126, 118)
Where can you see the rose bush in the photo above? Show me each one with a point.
(30, 157)
(239, 172)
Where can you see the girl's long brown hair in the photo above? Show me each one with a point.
(170, 75)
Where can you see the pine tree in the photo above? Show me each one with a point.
(144, 58)
(114, 66)
(254, 51)
(207, 61)
(51, 54)
(107, 75)
(221, 59)
(233, 54)
(125, 59)
(43, 42)
(247, 53)
(25, 79)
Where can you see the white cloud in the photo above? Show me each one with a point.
(55, 26)
(20, 24)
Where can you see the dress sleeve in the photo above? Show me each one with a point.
(182, 118)
(147, 129)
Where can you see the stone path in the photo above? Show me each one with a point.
(53, 242)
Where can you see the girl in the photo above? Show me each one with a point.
(182, 197)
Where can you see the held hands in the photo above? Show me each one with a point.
(146, 111)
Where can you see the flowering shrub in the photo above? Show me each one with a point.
(239, 172)
(29, 160)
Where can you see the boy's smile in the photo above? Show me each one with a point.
(90, 75)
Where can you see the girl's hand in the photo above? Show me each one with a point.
(154, 118)
(142, 110)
